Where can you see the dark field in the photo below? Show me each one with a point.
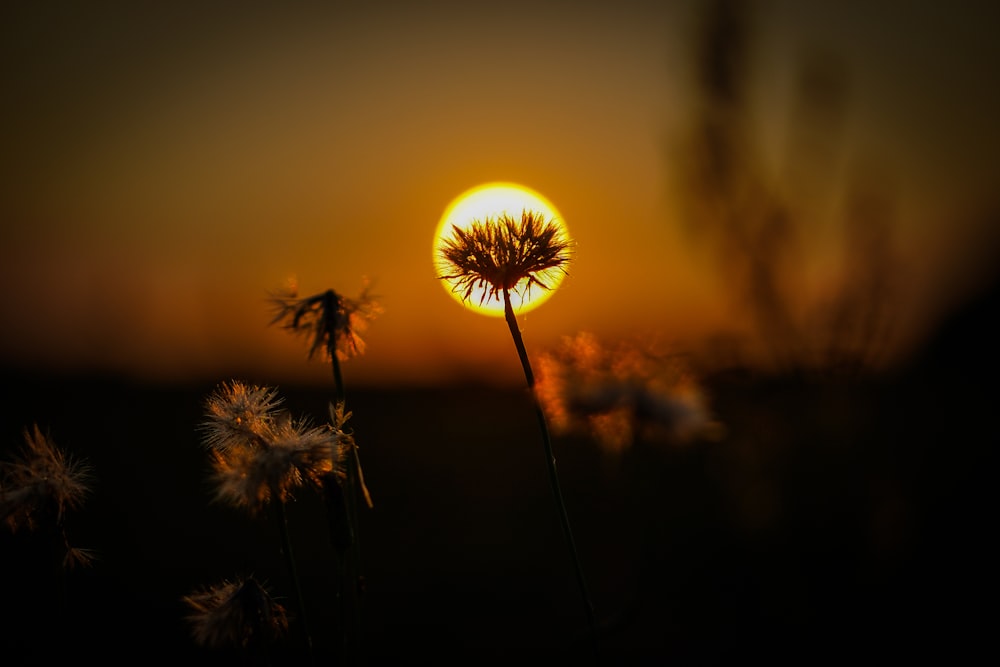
(842, 518)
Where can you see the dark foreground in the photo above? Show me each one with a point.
(843, 517)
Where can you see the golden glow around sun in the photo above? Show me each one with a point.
(489, 201)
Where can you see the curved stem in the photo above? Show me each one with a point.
(550, 461)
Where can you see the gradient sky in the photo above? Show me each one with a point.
(165, 166)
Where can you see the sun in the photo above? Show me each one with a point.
(491, 200)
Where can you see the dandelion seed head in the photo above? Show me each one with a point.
(331, 322)
(260, 453)
(42, 478)
(238, 415)
(236, 613)
(504, 254)
(252, 478)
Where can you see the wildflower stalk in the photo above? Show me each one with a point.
(286, 549)
(333, 323)
(260, 455)
(488, 259)
(352, 581)
(550, 462)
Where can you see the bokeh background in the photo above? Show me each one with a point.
(800, 198)
(164, 168)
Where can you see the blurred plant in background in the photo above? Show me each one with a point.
(260, 453)
(622, 394)
(759, 222)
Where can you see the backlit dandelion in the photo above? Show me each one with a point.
(260, 455)
(495, 257)
(240, 613)
(238, 415)
(500, 255)
(259, 452)
(295, 455)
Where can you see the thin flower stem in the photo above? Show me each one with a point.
(338, 380)
(341, 536)
(352, 578)
(58, 546)
(286, 548)
(550, 460)
(360, 476)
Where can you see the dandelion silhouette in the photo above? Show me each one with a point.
(500, 255)
(240, 613)
(261, 455)
(333, 324)
(622, 393)
(504, 254)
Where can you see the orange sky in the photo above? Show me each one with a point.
(164, 168)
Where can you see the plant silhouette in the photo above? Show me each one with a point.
(333, 324)
(501, 255)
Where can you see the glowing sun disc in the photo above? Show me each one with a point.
(492, 200)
